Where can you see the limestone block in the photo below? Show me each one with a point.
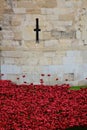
(26, 4)
(19, 10)
(66, 17)
(84, 4)
(44, 69)
(46, 3)
(49, 54)
(7, 48)
(62, 11)
(35, 79)
(10, 69)
(52, 18)
(9, 61)
(13, 54)
(57, 60)
(71, 53)
(20, 61)
(69, 4)
(73, 83)
(69, 60)
(8, 10)
(84, 56)
(8, 35)
(82, 82)
(46, 35)
(61, 53)
(15, 22)
(51, 43)
(28, 33)
(45, 61)
(7, 19)
(63, 34)
(78, 34)
(29, 17)
(61, 23)
(1, 60)
(47, 11)
(27, 69)
(68, 76)
(17, 35)
(84, 53)
(32, 61)
(33, 45)
(38, 69)
(1, 37)
(10, 43)
(61, 3)
(53, 69)
(33, 54)
(11, 4)
(47, 26)
(13, 78)
(2, 7)
(33, 11)
(80, 60)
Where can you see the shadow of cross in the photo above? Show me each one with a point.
(37, 30)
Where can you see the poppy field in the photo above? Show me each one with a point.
(41, 107)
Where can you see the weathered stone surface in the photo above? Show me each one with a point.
(63, 35)
(82, 82)
(26, 4)
(10, 69)
(68, 77)
(67, 17)
(17, 36)
(33, 11)
(19, 10)
(8, 35)
(46, 3)
(49, 54)
(50, 43)
(57, 60)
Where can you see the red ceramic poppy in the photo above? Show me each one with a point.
(17, 78)
(25, 82)
(48, 75)
(23, 76)
(42, 74)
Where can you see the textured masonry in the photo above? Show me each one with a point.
(62, 50)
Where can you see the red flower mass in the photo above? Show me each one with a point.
(38, 107)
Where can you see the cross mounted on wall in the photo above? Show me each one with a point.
(0, 28)
(37, 30)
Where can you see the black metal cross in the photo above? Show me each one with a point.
(37, 30)
(0, 28)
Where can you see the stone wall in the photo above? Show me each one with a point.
(62, 49)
